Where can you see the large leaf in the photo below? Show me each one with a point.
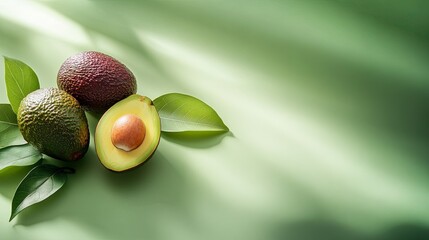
(20, 81)
(182, 113)
(24, 155)
(40, 183)
(9, 132)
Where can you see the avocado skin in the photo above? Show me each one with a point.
(53, 122)
(96, 80)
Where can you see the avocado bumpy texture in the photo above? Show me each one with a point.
(128, 134)
(53, 122)
(96, 80)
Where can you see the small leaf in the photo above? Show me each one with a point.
(24, 155)
(181, 113)
(40, 183)
(10, 136)
(7, 116)
(9, 132)
(20, 81)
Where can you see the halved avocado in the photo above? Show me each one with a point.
(128, 133)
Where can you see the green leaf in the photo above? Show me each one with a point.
(20, 81)
(182, 113)
(9, 132)
(24, 155)
(10, 136)
(40, 183)
(7, 116)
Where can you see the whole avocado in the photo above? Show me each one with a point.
(53, 122)
(96, 80)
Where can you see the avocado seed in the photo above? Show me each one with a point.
(128, 132)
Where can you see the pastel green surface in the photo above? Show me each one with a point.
(327, 103)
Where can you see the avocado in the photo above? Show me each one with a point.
(53, 122)
(96, 80)
(128, 133)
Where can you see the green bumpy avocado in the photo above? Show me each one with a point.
(53, 122)
(96, 80)
(128, 133)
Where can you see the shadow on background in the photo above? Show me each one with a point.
(196, 139)
(323, 230)
(128, 182)
(397, 13)
(10, 179)
(101, 19)
(12, 35)
(156, 181)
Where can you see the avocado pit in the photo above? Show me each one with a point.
(128, 132)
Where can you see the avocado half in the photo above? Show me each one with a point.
(115, 158)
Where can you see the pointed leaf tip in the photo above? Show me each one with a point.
(20, 81)
(182, 113)
(39, 184)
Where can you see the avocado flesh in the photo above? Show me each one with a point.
(53, 122)
(117, 159)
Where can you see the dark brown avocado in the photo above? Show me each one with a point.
(96, 80)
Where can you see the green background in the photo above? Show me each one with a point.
(327, 102)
